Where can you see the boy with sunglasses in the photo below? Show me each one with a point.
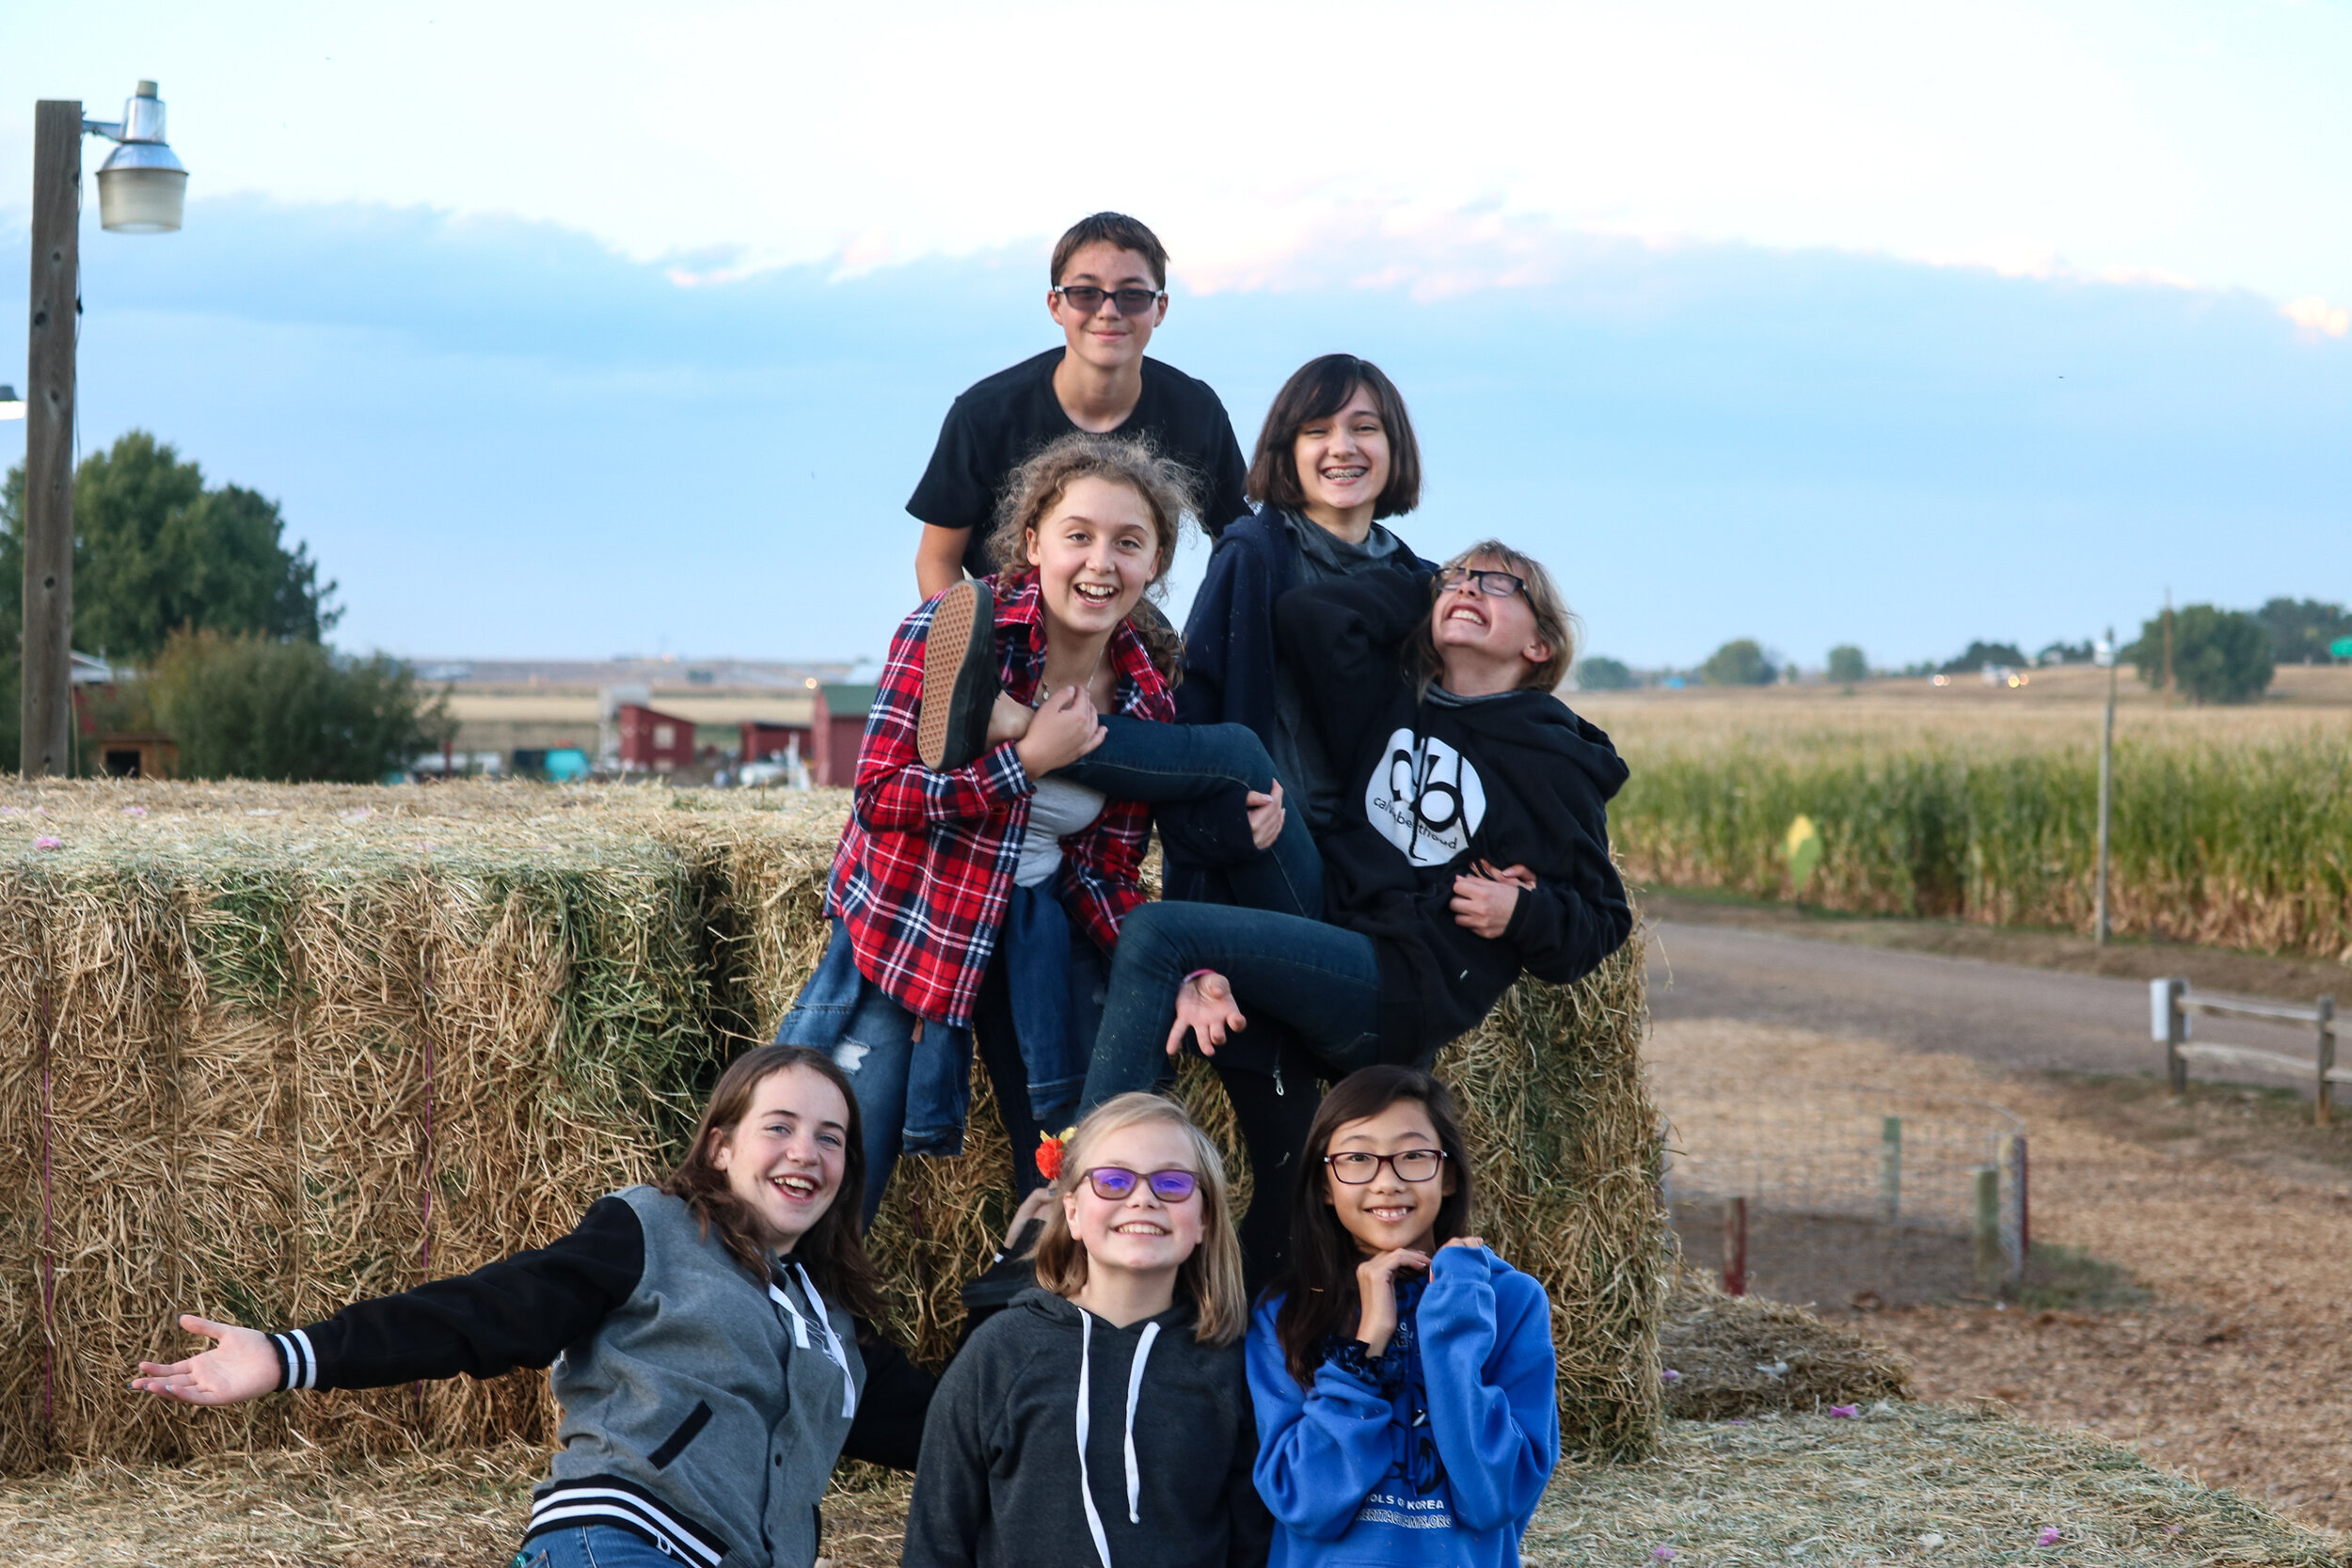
(1110, 293)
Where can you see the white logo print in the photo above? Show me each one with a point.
(1426, 798)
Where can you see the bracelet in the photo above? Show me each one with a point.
(1191, 978)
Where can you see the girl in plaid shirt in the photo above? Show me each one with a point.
(984, 898)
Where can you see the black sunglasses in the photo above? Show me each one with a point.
(1117, 1183)
(1131, 302)
(1411, 1164)
(1494, 584)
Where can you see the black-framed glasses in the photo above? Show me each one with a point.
(1087, 298)
(1411, 1164)
(1117, 1183)
(1494, 584)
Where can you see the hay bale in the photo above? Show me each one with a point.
(265, 1049)
(1744, 1355)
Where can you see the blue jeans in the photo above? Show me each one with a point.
(592, 1547)
(1141, 760)
(1321, 982)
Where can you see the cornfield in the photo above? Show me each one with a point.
(2231, 839)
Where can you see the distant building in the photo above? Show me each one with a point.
(838, 730)
(764, 741)
(654, 741)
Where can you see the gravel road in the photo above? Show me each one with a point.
(2001, 1014)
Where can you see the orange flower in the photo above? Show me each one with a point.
(1049, 1157)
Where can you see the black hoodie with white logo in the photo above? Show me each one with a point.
(1443, 784)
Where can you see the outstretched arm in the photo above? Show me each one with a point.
(520, 1312)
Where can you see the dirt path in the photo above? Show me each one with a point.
(2237, 1369)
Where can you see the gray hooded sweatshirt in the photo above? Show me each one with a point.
(1059, 1437)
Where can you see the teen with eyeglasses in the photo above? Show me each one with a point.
(1104, 1418)
(1471, 842)
(1403, 1375)
(1108, 294)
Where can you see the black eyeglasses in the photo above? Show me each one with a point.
(1117, 1183)
(1131, 302)
(1495, 585)
(1411, 1164)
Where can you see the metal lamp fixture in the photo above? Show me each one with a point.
(11, 406)
(143, 187)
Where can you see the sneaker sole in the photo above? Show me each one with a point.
(962, 632)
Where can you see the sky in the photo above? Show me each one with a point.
(597, 329)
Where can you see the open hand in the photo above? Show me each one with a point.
(1483, 904)
(241, 1367)
(1061, 732)
(1206, 1010)
(1265, 816)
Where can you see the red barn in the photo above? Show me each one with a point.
(763, 739)
(653, 740)
(838, 730)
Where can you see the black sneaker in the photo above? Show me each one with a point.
(959, 677)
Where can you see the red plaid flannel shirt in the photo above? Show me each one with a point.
(925, 865)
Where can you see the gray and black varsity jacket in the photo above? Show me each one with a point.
(702, 1412)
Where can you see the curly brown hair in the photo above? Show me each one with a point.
(1167, 488)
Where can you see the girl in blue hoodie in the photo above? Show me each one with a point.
(1403, 1375)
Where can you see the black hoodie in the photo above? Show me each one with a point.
(1440, 784)
(1168, 1446)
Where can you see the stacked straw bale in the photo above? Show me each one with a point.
(266, 1049)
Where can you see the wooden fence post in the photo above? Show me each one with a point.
(1736, 1246)
(2323, 1110)
(2169, 1025)
(2015, 1240)
(1890, 1170)
(1988, 1227)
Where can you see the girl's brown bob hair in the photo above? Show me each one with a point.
(1318, 1289)
(1316, 390)
(833, 1251)
(1555, 623)
(1211, 1275)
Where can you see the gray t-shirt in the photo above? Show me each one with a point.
(1309, 776)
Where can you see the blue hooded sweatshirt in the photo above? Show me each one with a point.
(1435, 1453)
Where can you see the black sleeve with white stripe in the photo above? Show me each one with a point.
(520, 1312)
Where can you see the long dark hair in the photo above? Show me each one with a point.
(1316, 390)
(1318, 1289)
(833, 1251)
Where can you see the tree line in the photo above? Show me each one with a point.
(2215, 656)
(215, 628)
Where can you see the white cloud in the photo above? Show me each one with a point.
(2316, 317)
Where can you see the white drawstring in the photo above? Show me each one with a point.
(1085, 1421)
(1135, 1390)
(1085, 1487)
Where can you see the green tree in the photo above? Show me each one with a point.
(1741, 662)
(248, 708)
(154, 551)
(2301, 629)
(1979, 654)
(1847, 664)
(1602, 674)
(2219, 655)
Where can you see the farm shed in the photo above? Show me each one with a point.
(653, 740)
(265, 1049)
(763, 741)
(839, 730)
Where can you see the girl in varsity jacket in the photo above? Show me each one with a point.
(703, 1333)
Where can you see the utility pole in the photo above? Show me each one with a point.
(55, 312)
(2106, 782)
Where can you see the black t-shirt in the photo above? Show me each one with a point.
(1000, 422)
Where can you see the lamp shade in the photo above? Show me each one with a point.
(11, 406)
(143, 186)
